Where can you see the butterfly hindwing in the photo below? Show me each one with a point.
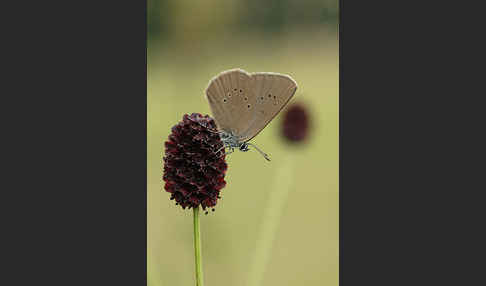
(272, 92)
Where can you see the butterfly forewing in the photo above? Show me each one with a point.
(271, 93)
(229, 95)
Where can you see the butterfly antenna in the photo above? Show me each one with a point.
(261, 152)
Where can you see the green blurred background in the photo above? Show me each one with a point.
(277, 222)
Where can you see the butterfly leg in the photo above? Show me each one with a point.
(219, 132)
(208, 129)
(225, 153)
(261, 152)
(231, 151)
(222, 148)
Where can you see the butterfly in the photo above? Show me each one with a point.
(244, 103)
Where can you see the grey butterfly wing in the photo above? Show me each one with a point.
(272, 92)
(229, 95)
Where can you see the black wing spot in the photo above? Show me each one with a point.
(248, 106)
(274, 97)
(241, 90)
(261, 98)
(224, 99)
(269, 95)
(229, 94)
(246, 98)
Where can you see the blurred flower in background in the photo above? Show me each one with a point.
(295, 123)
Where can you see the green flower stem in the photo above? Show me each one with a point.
(272, 214)
(197, 248)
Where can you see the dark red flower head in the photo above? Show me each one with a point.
(295, 125)
(193, 171)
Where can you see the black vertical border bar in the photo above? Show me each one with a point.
(79, 144)
(372, 203)
(373, 164)
(409, 214)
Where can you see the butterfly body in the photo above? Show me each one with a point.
(231, 141)
(243, 104)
